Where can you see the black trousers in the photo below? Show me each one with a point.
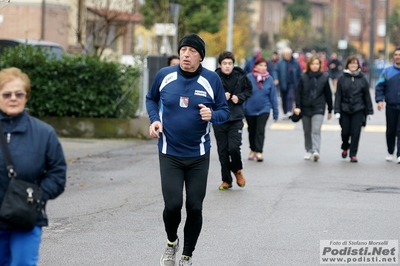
(393, 129)
(229, 141)
(287, 98)
(351, 130)
(256, 128)
(191, 173)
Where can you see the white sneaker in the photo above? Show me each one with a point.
(315, 156)
(398, 159)
(389, 157)
(169, 256)
(308, 156)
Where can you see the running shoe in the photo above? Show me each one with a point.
(225, 186)
(252, 155)
(315, 156)
(353, 159)
(169, 256)
(240, 181)
(259, 157)
(344, 154)
(308, 156)
(185, 261)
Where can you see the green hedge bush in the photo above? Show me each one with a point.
(76, 86)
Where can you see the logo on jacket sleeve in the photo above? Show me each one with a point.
(200, 93)
(184, 102)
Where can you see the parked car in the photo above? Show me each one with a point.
(54, 48)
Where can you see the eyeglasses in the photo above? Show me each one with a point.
(19, 95)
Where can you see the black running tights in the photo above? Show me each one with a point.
(177, 173)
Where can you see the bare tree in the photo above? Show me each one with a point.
(100, 23)
(364, 21)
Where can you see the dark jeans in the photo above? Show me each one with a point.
(351, 129)
(192, 173)
(287, 98)
(393, 128)
(256, 128)
(229, 140)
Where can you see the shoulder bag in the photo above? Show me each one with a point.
(22, 201)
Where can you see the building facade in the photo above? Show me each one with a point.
(270, 13)
(71, 22)
(351, 21)
(347, 20)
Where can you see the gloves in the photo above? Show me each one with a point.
(337, 115)
(369, 117)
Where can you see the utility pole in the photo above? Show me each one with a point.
(174, 8)
(230, 25)
(43, 19)
(372, 39)
(387, 30)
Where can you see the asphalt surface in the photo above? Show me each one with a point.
(111, 211)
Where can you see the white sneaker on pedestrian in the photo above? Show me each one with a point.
(398, 159)
(308, 156)
(169, 256)
(185, 261)
(315, 156)
(389, 157)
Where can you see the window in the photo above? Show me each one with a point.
(381, 28)
(354, 27)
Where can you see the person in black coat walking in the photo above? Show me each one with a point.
(353, 106)
(229, 134)
(312, 95)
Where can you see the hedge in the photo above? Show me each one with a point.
(76, 85)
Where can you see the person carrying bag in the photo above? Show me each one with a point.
(22, 201)
(32, 171)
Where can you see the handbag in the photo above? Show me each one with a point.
(22, 201)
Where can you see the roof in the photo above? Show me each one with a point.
(116, 15)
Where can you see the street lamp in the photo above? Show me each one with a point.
(174, 8)
(230, 25)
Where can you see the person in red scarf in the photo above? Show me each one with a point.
(258, 107)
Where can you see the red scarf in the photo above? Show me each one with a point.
(260, 77)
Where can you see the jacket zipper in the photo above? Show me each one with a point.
(8, 137)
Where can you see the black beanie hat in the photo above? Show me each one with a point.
(195, 41)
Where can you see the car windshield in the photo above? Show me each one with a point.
(53, 50)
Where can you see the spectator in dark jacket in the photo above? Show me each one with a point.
(272, 62)
(37, 156)
(335, 70)
(388, 90)
(286, 74)
(312, 95)
(229, 134)
(172, 60)
(248, 67)
(352, 105)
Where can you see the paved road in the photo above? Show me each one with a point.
(110, 213)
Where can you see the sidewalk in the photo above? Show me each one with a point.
(78, 148)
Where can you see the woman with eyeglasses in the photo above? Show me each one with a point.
(37, 156)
